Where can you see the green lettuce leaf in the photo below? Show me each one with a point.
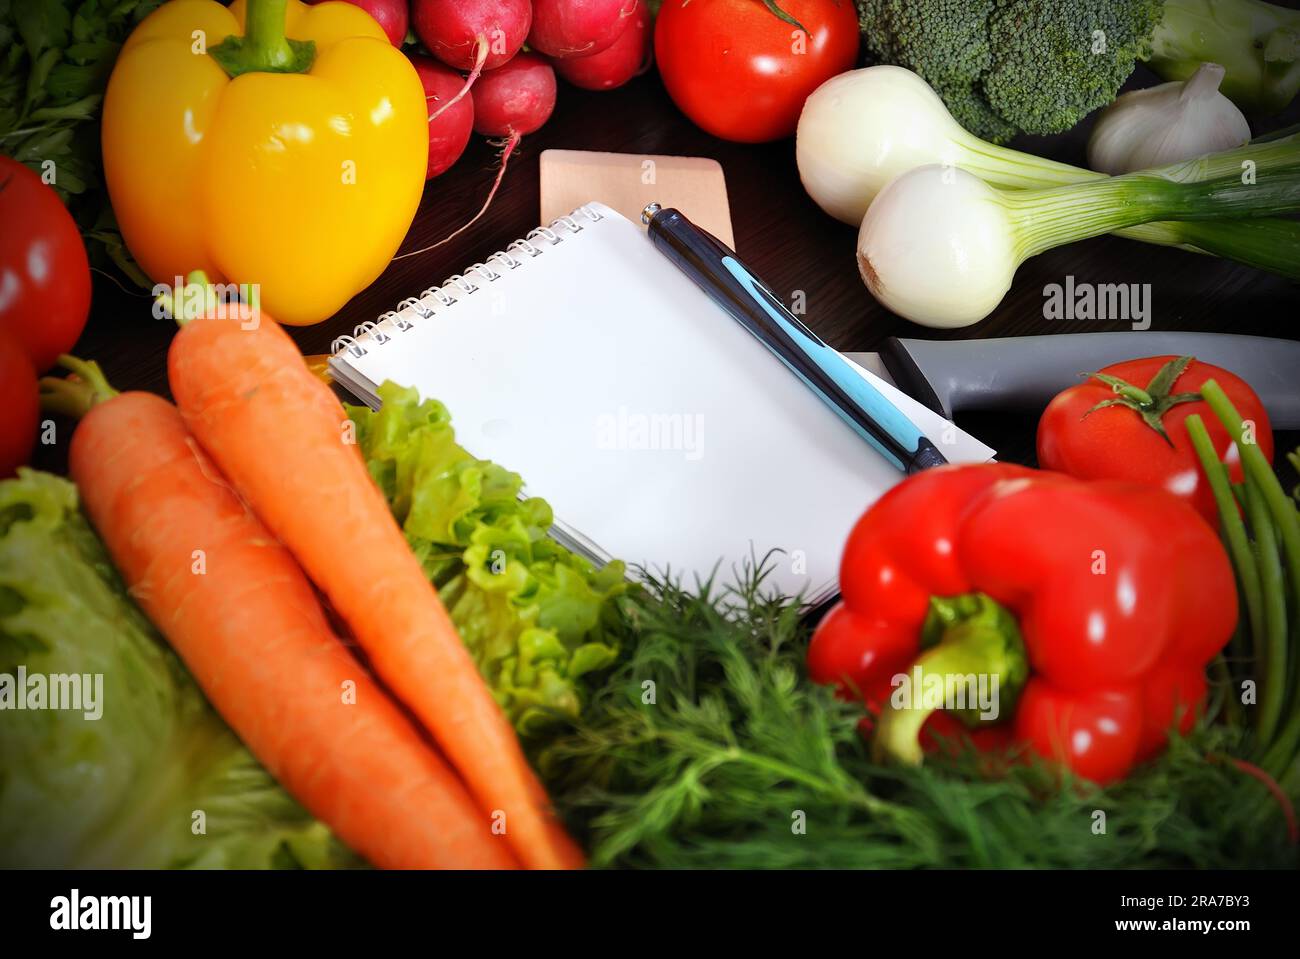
(157, 780)
(537, 618)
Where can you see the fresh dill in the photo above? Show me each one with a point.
(708, 747)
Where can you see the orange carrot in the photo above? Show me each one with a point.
(286, 444)
(244, 618)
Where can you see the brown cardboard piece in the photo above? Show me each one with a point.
(628, 181)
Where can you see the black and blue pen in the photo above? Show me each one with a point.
(734, 287)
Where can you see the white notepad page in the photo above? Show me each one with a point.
(656, 426)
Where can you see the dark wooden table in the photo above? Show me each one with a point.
(778, 229)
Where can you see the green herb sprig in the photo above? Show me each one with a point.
(56, 60)
(709, 747)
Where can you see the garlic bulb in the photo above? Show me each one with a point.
(1167, 124)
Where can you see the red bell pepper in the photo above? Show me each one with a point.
(1094, 606)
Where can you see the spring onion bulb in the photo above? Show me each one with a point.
(1167, 123)
(861, 129)
(940, 246)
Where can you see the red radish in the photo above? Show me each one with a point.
(617, 64)
(450, 129)
(473, 35)
(508, 102)
(578, 28)
(457, 32)
(515, 99)
(392, 15)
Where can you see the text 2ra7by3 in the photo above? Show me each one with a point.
(1197, 901)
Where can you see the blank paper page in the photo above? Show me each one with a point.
(652, 422)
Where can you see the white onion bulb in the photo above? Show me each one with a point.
(861, 129)
(938, 247)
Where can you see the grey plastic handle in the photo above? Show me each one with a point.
(1025, 372)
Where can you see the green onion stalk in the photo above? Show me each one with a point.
(1263, 242)
(1268, 570)
(862, 129)
(940, 246)
(1235, 537)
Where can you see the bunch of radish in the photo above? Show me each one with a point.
(481, 79)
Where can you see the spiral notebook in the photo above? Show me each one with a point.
(658, 429)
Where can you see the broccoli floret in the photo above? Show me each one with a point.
(1055, 61)
(1040, 66)
(1010, 66)
(945, 41)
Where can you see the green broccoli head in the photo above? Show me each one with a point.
(1011, 66)
(945, 41)
(1055, 61)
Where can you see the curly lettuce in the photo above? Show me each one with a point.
(157, 780)
(537, 618)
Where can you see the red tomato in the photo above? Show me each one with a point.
(21, 405)
(740, 72)
(1116, 442)
(44, 273)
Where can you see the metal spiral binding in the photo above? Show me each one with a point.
(382, 329)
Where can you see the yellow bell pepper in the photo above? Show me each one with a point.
(291, 156)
